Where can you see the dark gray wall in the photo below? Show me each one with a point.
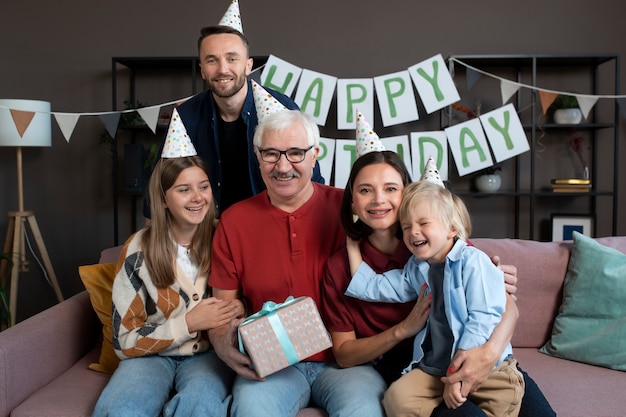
(61, 52)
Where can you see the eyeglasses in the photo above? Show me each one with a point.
(293, 155)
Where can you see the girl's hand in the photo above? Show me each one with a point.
(213, 312)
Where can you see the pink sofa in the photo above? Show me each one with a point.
(43, 360)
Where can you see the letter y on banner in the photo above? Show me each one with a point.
(505, 132)
(434, 84)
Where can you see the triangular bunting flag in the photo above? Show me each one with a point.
(111, 121)
(546, 98)
(150, 115)
(472, 77)
(586, 103)
(22, 120)
(507, 89)
(622, 105)
(67, 123)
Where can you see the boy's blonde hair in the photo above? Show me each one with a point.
(446, 206)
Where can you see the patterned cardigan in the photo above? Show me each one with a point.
(148, 320)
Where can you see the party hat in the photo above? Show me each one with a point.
(431, 173)
(366, 139)
(177, 142)
(232, 17)
(264, 102)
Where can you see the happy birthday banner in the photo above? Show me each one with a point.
(471, 143)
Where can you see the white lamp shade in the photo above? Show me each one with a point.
(38, 132)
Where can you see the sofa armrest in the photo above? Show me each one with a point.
(37, 350)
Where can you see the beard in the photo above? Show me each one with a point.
(216, 88)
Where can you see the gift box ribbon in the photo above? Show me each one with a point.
(269, 310)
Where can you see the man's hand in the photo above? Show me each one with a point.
(224, 341)
(510, 276)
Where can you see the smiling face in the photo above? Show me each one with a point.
(425, 234)
(376, 196)
(224, 64)
(189, 200)
(288, 184)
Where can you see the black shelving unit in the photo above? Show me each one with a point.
(529, 195)
(133, 68)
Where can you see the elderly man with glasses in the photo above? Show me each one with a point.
(275, 245)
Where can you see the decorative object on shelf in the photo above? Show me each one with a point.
(566, 110)
(24, 123)
(577, 144)
(564, 226)
(488, 181)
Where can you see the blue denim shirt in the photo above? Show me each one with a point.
(475, 297)
(199, 115)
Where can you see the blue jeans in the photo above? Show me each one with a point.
(144, 387)
(349, 392)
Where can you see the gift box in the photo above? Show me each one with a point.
(283, 334)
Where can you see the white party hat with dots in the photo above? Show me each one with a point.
(177, 142)
(232, 17)
(366, 139)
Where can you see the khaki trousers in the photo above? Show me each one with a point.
(418, 393)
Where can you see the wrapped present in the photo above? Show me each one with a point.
(283, 334)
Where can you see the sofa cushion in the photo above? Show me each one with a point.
(541, 267)
(72, 394)
(98, 280)
(574, 389)
(591, 324)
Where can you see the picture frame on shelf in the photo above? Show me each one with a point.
(564, 225)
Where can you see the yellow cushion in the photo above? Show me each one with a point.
(98, 280)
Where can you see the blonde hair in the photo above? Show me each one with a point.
(445, 206)
(159, 250)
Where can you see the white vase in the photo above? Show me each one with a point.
(568, 116)
(489, 183)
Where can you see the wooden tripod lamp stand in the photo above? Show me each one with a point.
(24, 123)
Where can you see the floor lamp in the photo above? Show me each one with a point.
(24, 123)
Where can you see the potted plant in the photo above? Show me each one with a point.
(488, 181)
(5, 311)
(566, 110)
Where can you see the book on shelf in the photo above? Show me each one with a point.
(570, 189)
(571, 181)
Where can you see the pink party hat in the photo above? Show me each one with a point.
(232, 17)
(177, 142)
(431, 173)
(264, 102)
(366, 139)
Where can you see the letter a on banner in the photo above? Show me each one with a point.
(353, 93)
(469, 147)
(396, 98)
(280, 75)
(434, 84)
(315, 93)
(505, 132)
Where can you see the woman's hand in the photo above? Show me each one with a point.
(510, 276)
(416, 319)
(471, 367)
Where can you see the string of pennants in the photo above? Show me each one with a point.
(501, 128)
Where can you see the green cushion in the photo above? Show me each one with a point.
(591, 324)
